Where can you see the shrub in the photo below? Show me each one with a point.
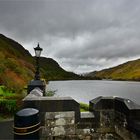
(84, 107)
(50, 92)
(8, 107)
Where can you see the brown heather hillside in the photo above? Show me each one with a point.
(17, 66)
(127, 71)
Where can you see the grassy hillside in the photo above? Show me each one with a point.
(127, 71)
(17, 66)
(52, 71)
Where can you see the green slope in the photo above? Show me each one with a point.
(17, 66)
(127, 71)
(51, 70)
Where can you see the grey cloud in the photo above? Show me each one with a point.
(81, 35)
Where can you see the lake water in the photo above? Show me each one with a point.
(86, 90)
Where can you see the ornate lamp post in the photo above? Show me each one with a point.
(36, 82)
(38, 51)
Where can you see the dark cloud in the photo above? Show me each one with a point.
(81, 35)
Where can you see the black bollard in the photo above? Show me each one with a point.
(27, 124)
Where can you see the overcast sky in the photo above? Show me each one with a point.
(81, 35)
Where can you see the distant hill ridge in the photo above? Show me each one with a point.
(127, 71)
(13, 47)
(17, 66)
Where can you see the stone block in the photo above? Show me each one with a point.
(37, 91)
(58, 131)
(69, 114)
(87, 117)
(101, 103)
(60, 123)
(49, 116)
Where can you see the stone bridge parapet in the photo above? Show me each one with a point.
(108, 117)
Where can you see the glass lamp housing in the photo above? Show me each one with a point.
(38, 51)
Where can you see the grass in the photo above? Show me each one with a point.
(8, 94)
(50, 93)
(8, 106)
(84, 107)
(10, 103)
(6, 118)
(4, 92)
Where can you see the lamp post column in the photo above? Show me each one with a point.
(37, 55)
(37, 73)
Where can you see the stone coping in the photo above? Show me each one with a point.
(34, 97)
(130, 104)
(87, 115)
(102, 102)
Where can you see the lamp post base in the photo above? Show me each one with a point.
(37, 83)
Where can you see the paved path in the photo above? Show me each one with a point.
(6, 130)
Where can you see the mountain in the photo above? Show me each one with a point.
(51, 70)
(17, 66)
(127, 71)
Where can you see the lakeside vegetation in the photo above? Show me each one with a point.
(50, 93)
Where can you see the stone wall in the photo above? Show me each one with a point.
(59, 124)
(108, 118)
(62, 126)
(118, 115)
